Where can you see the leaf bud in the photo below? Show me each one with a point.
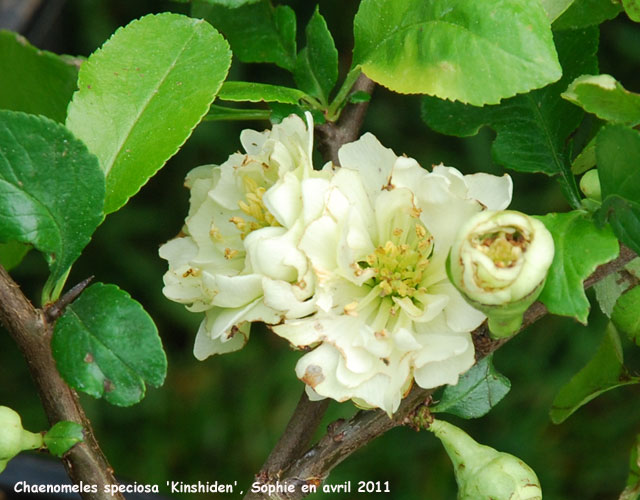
(590, 185)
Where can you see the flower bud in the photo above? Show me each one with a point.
(13, 438)
(499, 263)
(590, 185)
(483, 473)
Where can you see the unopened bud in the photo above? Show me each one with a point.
(13, 438)
(590, 185)
(499, 263)
(483, 473)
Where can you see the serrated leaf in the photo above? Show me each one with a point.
(141, 95)
(605, 371)
(12, 253)
(257, 32)
(51, 189)
(105, 344)
(603, 96)
(584, 13)
(316, 69)
(476, 393)
(35, 81)
(580, 247)
(259, 92)
(609, 289)
(455, 49)
(632, 8)
(62, 437)
(624, 217)
(626, 314)
(531, 129)
(554, 8)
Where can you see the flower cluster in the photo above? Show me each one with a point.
(348, 264)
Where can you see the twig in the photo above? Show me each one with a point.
(32, 332)
(53, 311)
(346, 437)
(331, 136)
(294, 440)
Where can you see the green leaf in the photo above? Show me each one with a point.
(141, 95)
(257, 32)
(632, 8)
(605, 371)
(611, 287)
(105, 344)
(476, 393)
(280, 111)
(51, 189)
(554, 8)
(359, 96)
(632, 491)
(35, 81)
(624, 217)
(531, 129)
(316, 69)
(62, 436)
(223, 113)
(12, 253)
(580, 247)
(603, 96)
(618, 156)
(626, 314)
(257, 92)
(586, 160)
(231, 4)
(584, 13)
(473, 51)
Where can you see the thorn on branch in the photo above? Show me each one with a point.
(53, 311)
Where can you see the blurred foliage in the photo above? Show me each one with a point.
(218, 419)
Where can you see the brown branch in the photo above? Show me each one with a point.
(294, 440)
(331, 136)
(346, 437)
(32, 332)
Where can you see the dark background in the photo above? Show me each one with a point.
(218, 419)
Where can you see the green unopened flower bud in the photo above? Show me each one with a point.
(483, 473)
(590, 185)
(499, 263)
(13, 438)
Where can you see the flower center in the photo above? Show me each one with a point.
(254, 208)
(399, 265)
(503, 247)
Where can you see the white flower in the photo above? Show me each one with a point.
(236, 259)
(499, 261)
(387, 313)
